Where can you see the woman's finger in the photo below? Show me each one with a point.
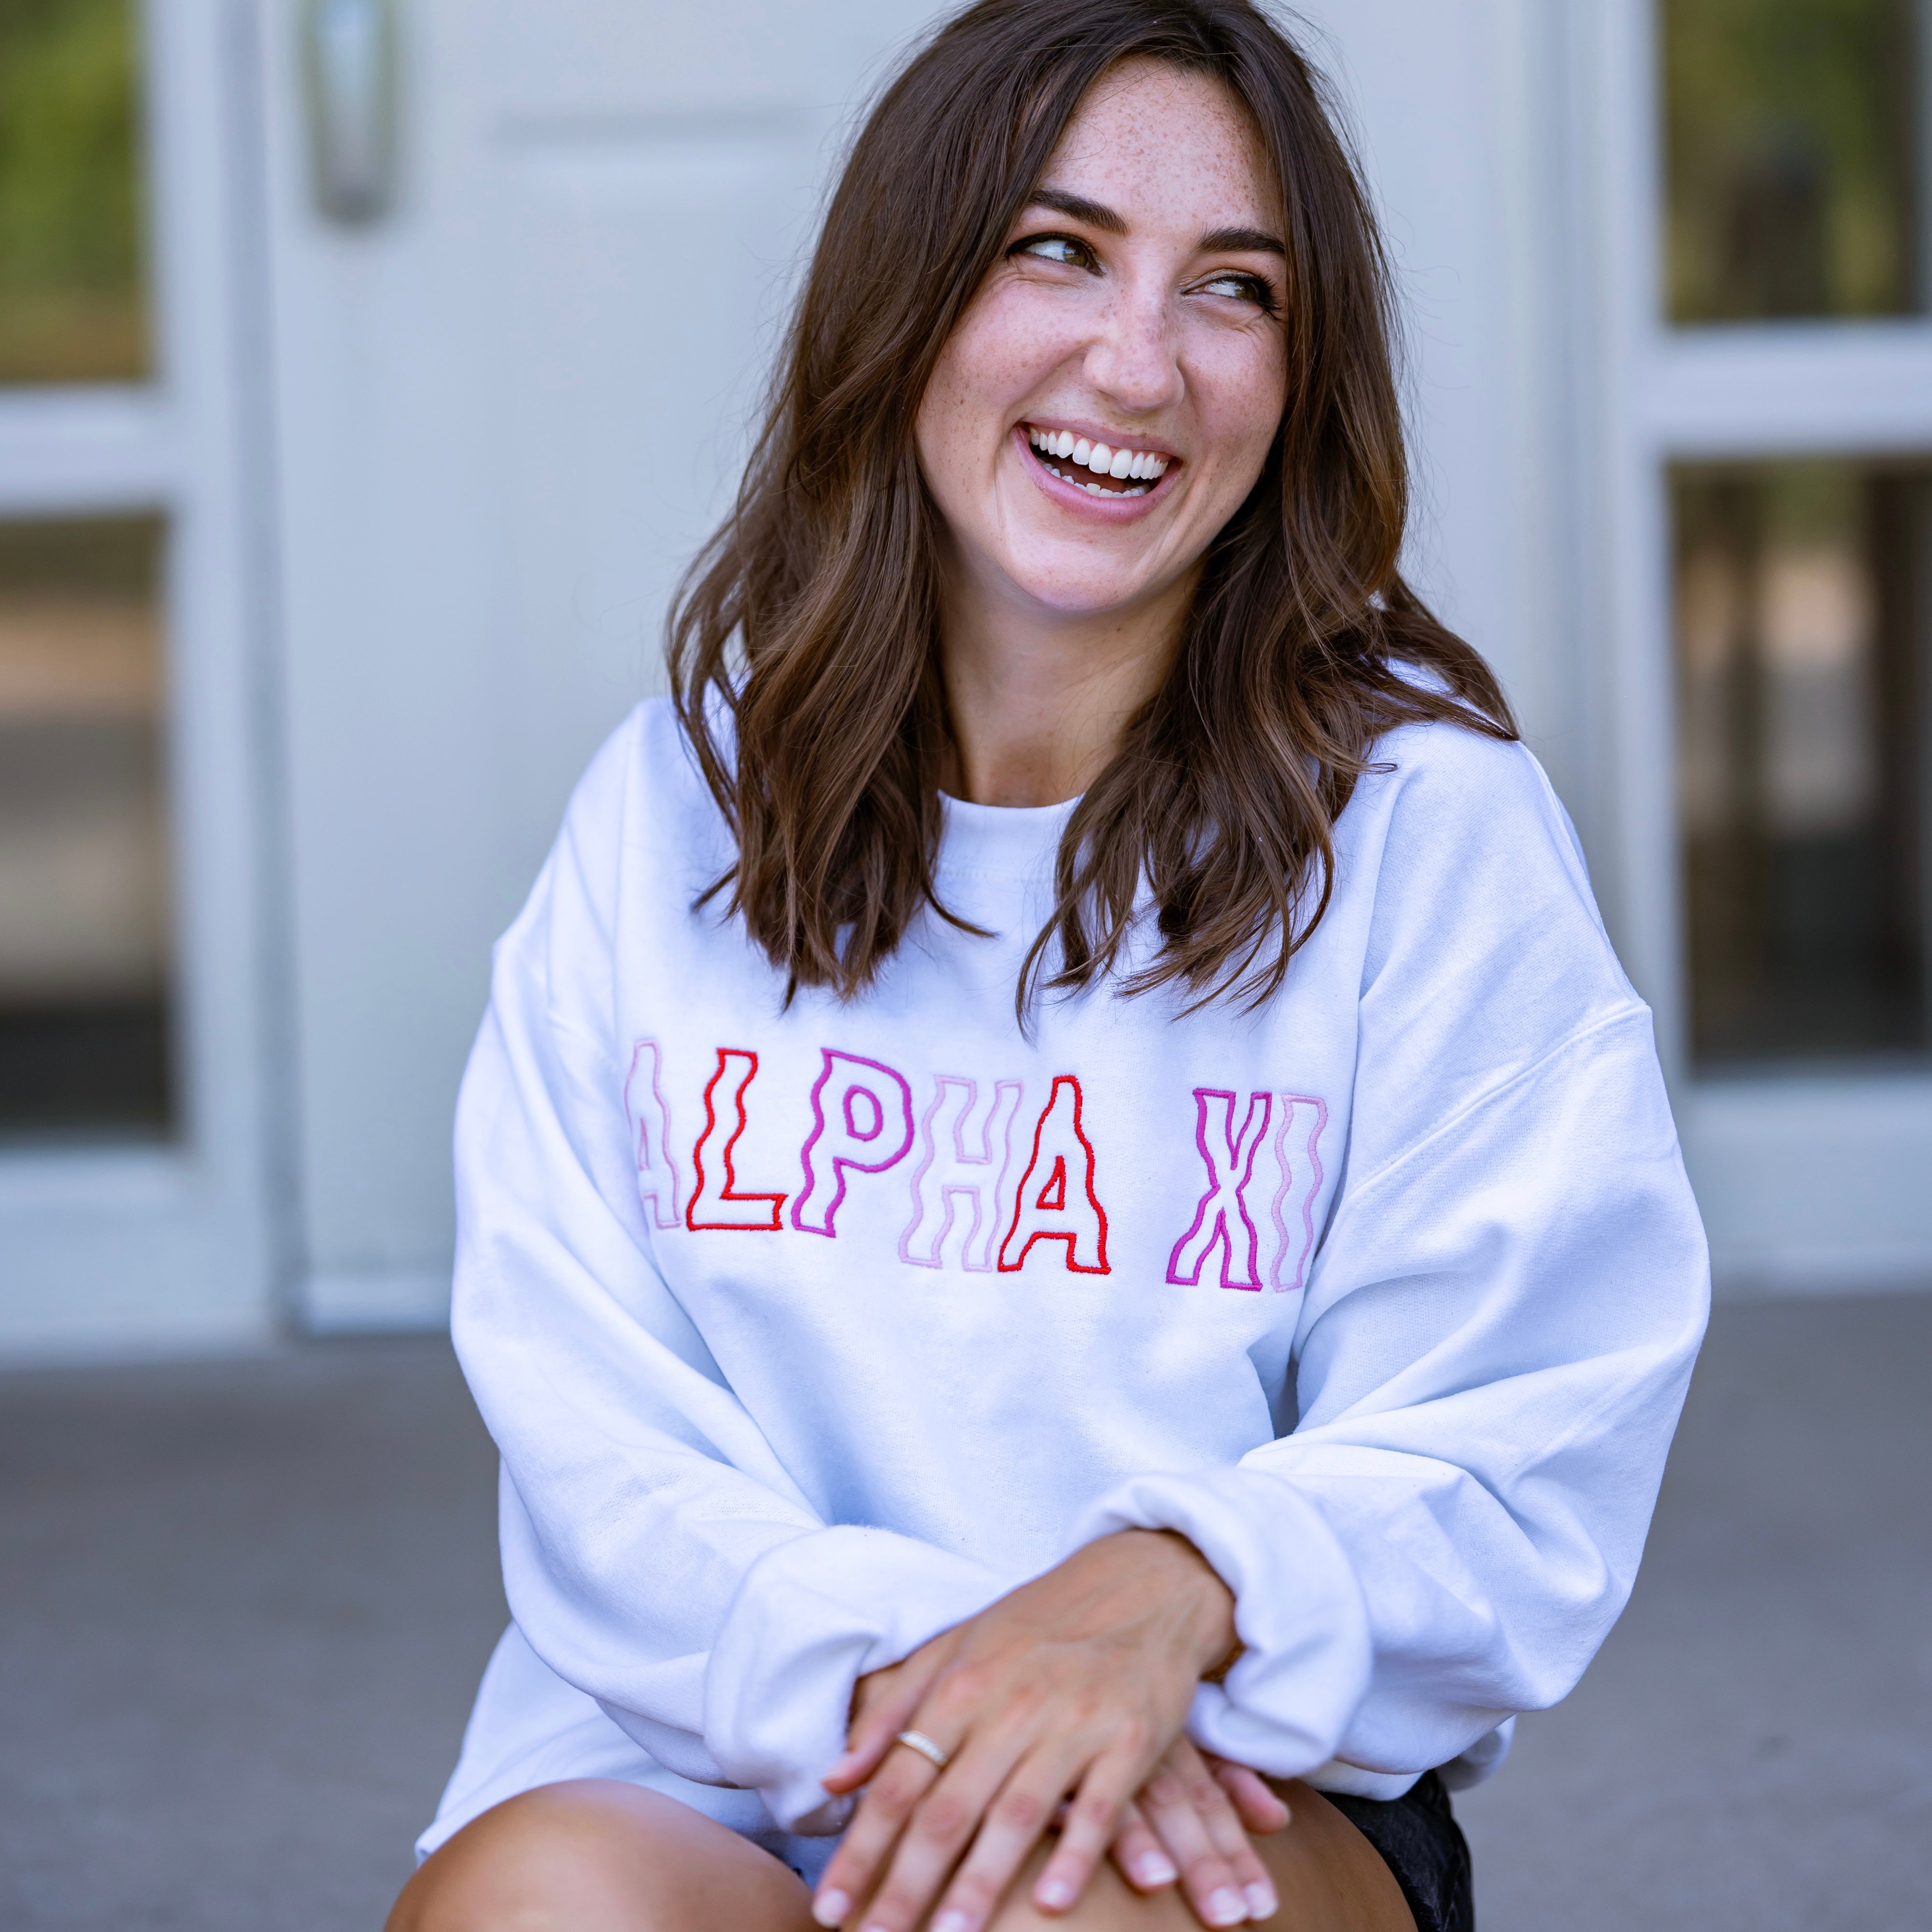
(1216, 1810)
(1015, 1821)
(884, 1715)
(1141, 1857)
(1259, 1807)
(1224, 1881)
(890, 1799)
(963, 1808)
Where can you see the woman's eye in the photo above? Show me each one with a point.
(1057, 248)
(1242, 288)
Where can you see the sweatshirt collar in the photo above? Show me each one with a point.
(1006, 842)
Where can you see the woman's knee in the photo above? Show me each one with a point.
(598, 1855)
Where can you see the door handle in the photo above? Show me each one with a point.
(349, 65)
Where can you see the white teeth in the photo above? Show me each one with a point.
(1142, 466)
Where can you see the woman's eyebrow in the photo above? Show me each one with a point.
(1241, 240)
(1096, 214)
(1079, 209)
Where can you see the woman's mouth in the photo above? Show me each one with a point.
(1095, 467)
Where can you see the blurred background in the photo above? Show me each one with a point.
(367, 369)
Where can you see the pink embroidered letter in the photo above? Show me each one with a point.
(950, 1172)
(649, 1118)
(1313, 1113)
(1047, 1208)
(861, 1118)
(1222, 1220)
(722, 1206)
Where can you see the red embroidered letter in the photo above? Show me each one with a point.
(724, 1207)
(650, 1135)
(870, 1127)
(1222, 1220)
(1049, 1208)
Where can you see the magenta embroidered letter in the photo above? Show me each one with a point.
(1297, 1238)
(1049, 1206)
(961, 1164)
(862, 1119)
(717, 1203)
(649, 1118)
(1222, 1220)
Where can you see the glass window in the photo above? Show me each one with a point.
(1793, 131)
(84, 893)
(1803, 629)
(72, 304)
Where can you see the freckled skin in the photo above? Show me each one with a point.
(1057, 624)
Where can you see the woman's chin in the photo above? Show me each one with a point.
(1069, 581)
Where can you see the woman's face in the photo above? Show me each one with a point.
(1136, 312)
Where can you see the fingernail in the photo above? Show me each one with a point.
(829, 1908)
(1261, 1900)
(951, 1922)
(1155, 1869)
(1226, 1906)
(1055, 1894)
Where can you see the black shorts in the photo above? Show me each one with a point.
(1421, 1842)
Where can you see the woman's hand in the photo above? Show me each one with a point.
(1074, 1686)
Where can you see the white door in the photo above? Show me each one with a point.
(134, 1134)
(509, 402)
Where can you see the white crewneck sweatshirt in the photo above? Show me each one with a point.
(806, 1331)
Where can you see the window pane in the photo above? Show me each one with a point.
(1793, 165)
(1802, 622)
(72, 304)
(84, 909)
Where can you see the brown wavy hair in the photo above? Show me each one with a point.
(804, 642)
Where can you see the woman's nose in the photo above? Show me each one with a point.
(1135, 359)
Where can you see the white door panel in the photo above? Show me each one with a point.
(647, 276)
(508, 411)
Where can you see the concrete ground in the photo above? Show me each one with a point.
(243, 1606)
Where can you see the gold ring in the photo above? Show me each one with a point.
(918, 1741)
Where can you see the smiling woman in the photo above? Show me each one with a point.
(1068, 1229)
(1118, 223)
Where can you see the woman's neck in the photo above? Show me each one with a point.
(1040, 700)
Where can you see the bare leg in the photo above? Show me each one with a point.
(597, 1855)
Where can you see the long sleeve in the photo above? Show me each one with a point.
(1499, 1328)
(656, 1553)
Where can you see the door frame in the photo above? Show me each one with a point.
(183, 1246)
(1794, 1171)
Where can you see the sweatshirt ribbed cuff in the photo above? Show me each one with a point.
(1298, 1611)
